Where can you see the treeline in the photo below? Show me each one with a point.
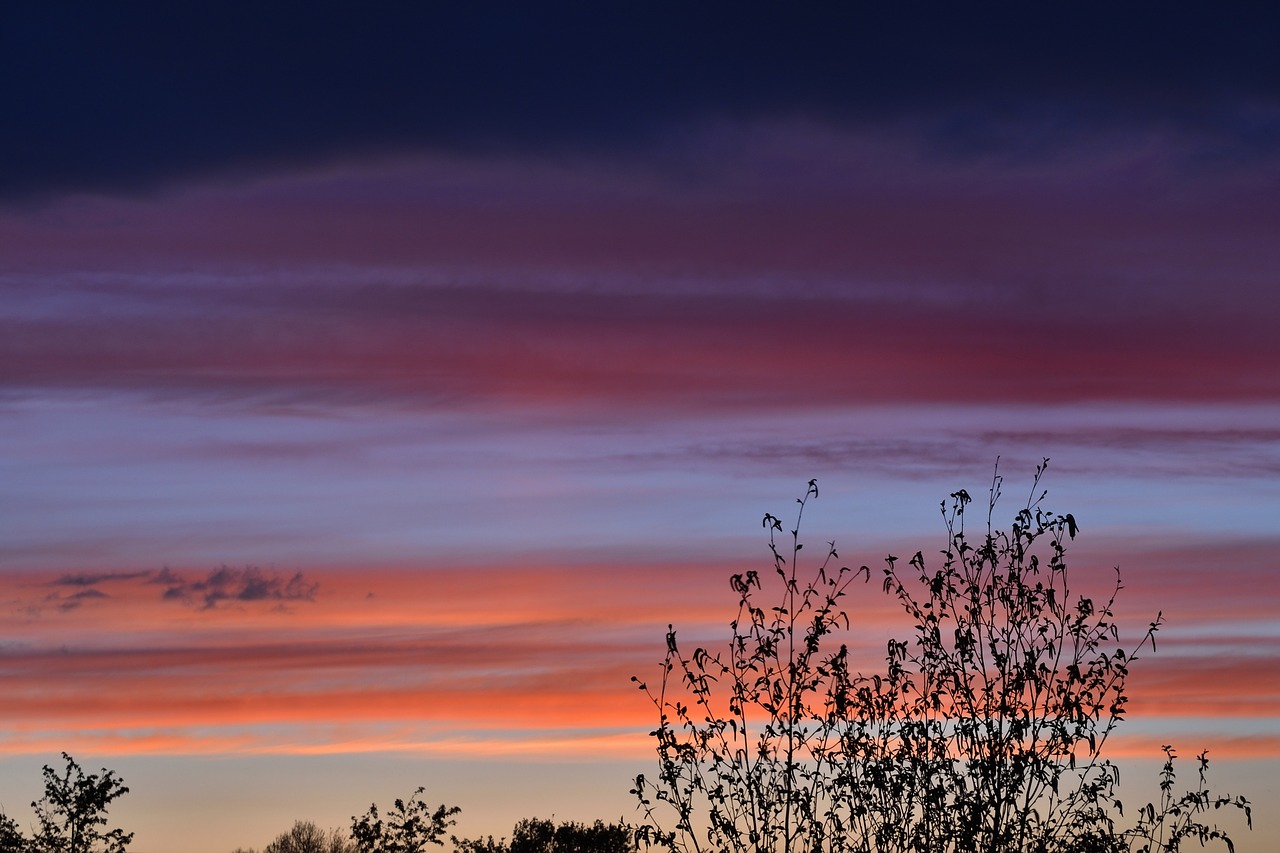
(71, 817)
(531, 835)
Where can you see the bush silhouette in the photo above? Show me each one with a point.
(984, 732)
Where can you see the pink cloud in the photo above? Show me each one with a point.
(467, 346)
(1086, 279)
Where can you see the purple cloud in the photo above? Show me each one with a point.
(227, 585)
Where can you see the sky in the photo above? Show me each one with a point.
(376, 386)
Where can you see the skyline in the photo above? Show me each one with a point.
(375, 389)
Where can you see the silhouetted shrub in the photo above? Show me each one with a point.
(984, 732)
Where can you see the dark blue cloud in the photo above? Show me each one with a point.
(121, 96)
(92, 579)
(227, 585)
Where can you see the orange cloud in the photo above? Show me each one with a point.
(494, 659)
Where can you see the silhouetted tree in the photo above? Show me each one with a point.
(985, 732)
(408, 827)
(487, 844)
(306, 837)
(72, 815)
(533, 835)
(11, 838)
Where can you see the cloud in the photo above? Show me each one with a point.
(226, 585)
(95, 578)
(86, 585)
(547, 648)
(857, 270)
(70, 602)
(220, 587)
(456, 346)
(142, 102)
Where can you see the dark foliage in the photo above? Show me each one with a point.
(72, 815)
(306, 837)
(11, 838)
(544, 836)
(985, 731)
(408, 827)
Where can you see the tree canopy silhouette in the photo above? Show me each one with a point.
(407, 827)
(71, 817)
(985, 730)
(534, 835)
(305, 837)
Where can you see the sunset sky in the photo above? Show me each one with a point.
(376, 387)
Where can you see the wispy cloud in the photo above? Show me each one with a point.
(66, 603)
(96, 578)
(221, 587)
(528, 651)
(545, 349)
(225, 585)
